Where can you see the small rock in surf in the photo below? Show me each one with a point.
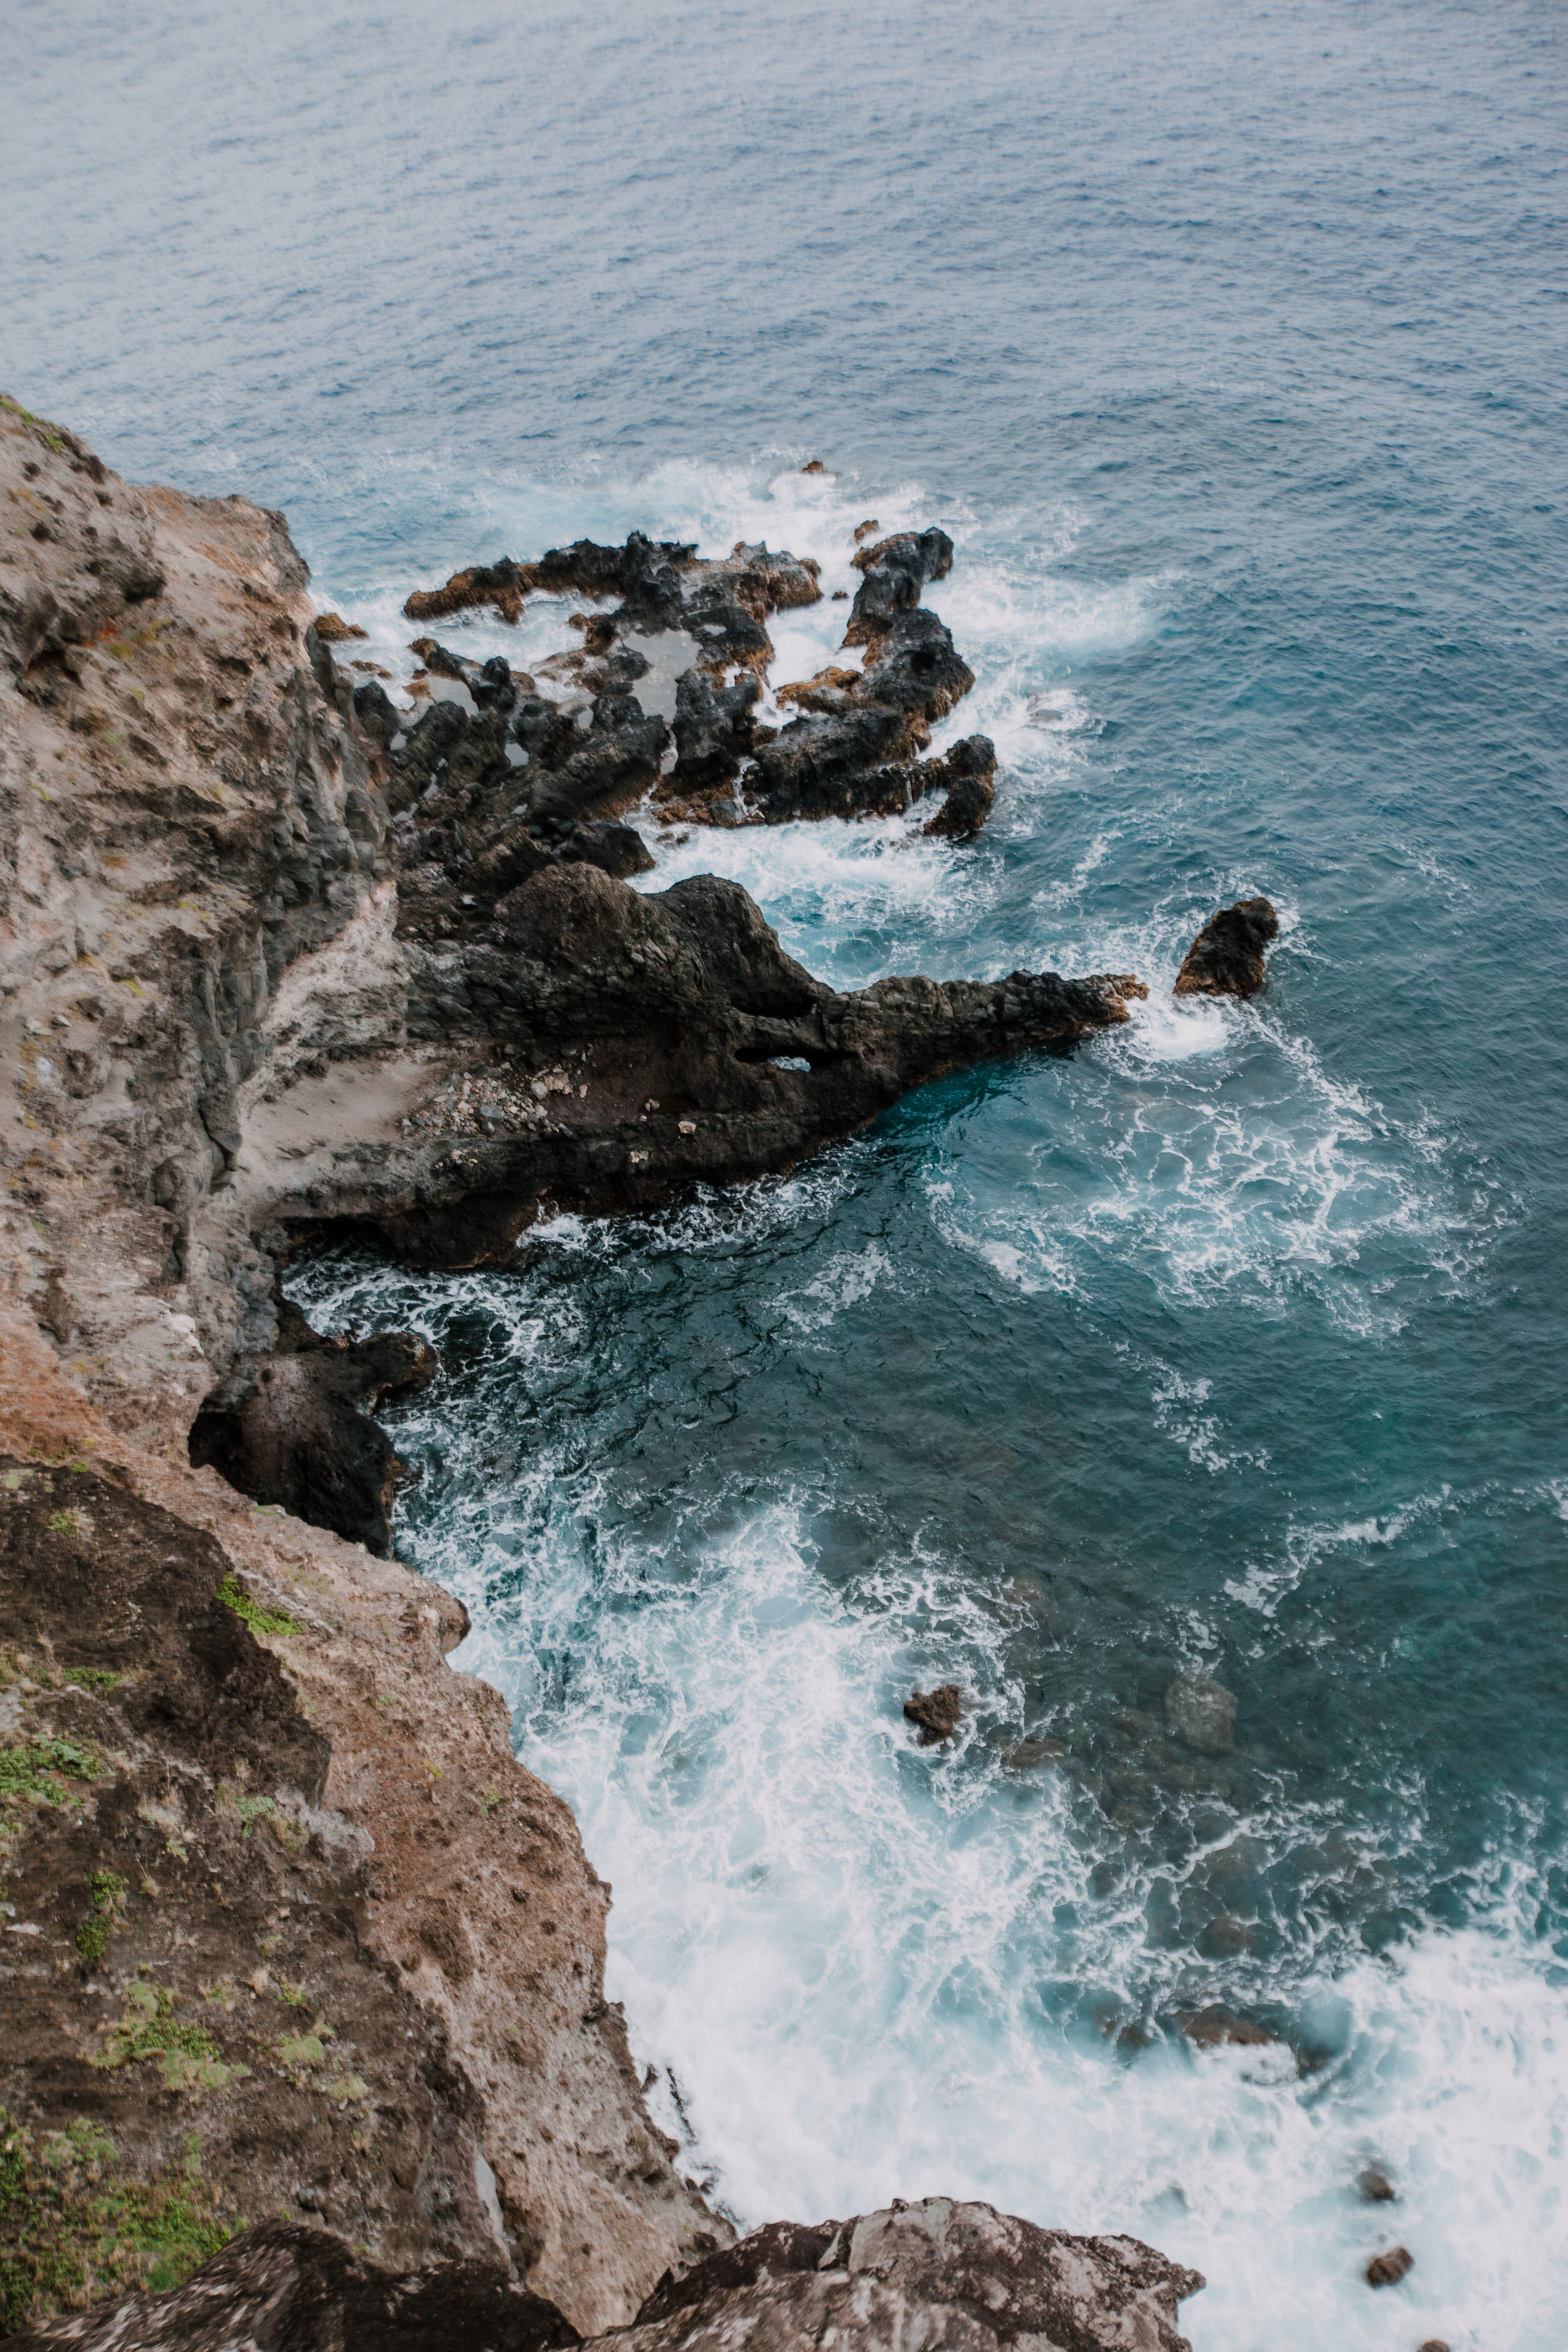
(1226, 957)
(1387, 2270)
(937, 1713)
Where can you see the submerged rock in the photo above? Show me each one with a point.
(949, 2277)
(1220, 2028)
(1203, 1713)
(1376, 2187)
(937, 1713)
(1226, 957)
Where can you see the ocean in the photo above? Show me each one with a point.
(1227, 343)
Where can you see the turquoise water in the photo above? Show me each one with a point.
(1229, 346)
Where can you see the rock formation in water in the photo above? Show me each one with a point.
(936, 1714)
(948, 2277)
(507, 779)
(1226, 957)
(288, 1931)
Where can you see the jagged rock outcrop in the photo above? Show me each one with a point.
(947, 2277)
(1226, 957)
(853, 750)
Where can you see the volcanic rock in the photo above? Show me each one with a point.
(968, 775)
(850, 753)
(288, 1427)
(291, 2288)
(502, 584)
(1203, 1713)
(1387, 2270)
(937, 1713)
(895, 570)
(1226, 957)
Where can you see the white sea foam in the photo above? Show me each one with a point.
(818, 1924)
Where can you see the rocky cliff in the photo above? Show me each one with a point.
(292, 1943)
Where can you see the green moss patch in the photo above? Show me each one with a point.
(108, 1897)
(74, 2231)
(187, 2056)
(43, 1769)
(259, 1620)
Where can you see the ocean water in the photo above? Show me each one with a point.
(1228, 344)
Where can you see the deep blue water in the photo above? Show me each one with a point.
(1228, 343)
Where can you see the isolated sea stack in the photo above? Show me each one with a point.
(1226, 957)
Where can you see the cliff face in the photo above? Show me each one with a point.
(290, 1938)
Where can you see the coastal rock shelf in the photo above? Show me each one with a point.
(271, 966)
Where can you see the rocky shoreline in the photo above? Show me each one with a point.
(307, 1968)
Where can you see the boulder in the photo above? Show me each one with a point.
(967, 773)
(1226, 957)
(937, 1713)
(1203, 1713)
(1388, 2269)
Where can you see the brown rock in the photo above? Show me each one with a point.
(332, 628)
(1226, 957)
(1387, 2270)
(937, 1713)
(1376, 2187)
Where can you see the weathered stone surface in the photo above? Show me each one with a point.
(1226, 957)
(968, 776)
(850, 752)
(950, 2277)
(896, 570)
